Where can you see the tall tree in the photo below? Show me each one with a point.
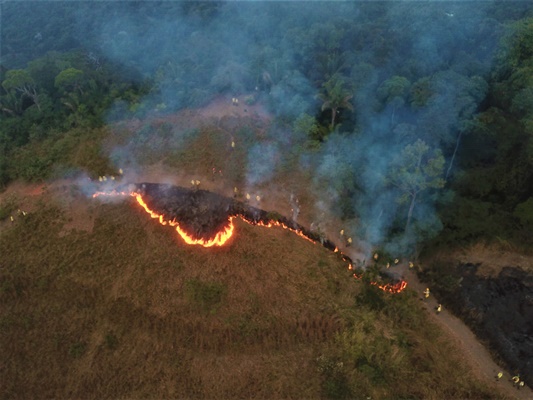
(19, 80)
(416, 169)
(334, 96)
(394, 91)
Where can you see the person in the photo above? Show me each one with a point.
(11, 218)
(499, 376)
(349, 242)
(376, 256)
(439, 308)
(235, 191)
(232, 144)
(426, 293)
(521, 385)
(396, 261)
(342, 232)
(516, 379)
(411, 265)
(258, 198)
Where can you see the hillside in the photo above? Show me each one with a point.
(120, 307)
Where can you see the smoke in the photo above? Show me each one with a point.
(415, 70)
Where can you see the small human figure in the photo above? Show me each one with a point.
(258, 198)
(516, 379)
(499, 375)
(232, 144)
(411, 265)
(11, 218)
(439, 308)
(396, 261)
(235, 191)
(376, 256)
(348, 242)
(426, 293)
(521, 385)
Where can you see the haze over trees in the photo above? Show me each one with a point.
(354, 90)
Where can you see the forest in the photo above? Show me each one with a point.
(415, 119)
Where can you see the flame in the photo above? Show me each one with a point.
(223, 236)
(219, 240)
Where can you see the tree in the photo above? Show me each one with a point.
(415, 170)
(335, 96)
(394, 91)
(70, 79)
(19, 80)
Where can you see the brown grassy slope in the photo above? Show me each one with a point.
(128, 310)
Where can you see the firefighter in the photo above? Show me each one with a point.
(11, 218)
(396, 261)
(232, 144)
(247, 196)
(426, 293)
(516, 379)
(411, 265)
(100, 179)
(388, 265)
(376, 256)
(499, 375)
(258, 198)
(349, 242)
(235, 191)
(120, 171)
(521, 385)
(439, 308)
(342, 232)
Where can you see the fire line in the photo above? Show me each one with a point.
(223, 236)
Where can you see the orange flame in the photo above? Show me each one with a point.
(219, 240)
(222, 237)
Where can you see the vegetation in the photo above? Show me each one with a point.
(409, 124)
(128, 310)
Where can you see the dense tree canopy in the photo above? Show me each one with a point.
(366, 81)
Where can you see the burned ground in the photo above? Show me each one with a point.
(498, 308)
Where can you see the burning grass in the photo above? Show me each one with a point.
(127, 311)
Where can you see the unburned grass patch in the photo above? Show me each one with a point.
(130, 310)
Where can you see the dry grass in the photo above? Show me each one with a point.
(129, 311)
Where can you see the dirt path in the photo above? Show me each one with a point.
(474, 353)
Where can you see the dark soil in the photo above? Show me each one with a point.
(499, 309)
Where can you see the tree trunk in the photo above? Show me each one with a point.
(333, 115)
(453, 155)
(410, 213)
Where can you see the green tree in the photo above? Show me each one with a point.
(416, 169)
(70, 79)
(335, 96)
(394, 91)
(19, 80)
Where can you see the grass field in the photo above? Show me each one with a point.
(126, 310)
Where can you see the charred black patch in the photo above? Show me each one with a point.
(202, 213)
